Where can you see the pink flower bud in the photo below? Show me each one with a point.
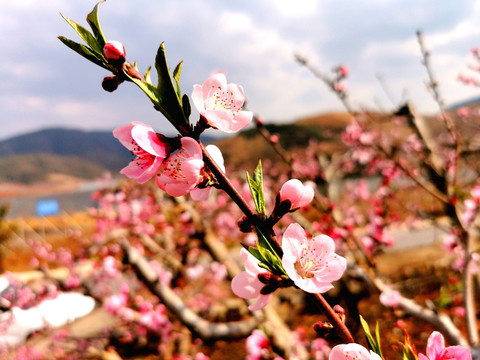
(343, 71)
(338, 87)
(114, 52)
(298, 194)
(339, 310)
(274, 139)
(110, 83)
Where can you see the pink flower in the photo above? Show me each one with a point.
(220, 104)
(147, 147)
(114, 303)
(475, 192)
(298, 194)
(247, 285)
(202, 194)
(182, 169)
(390, 297)
(343, 71)
(311, 263)
(436, 350)
(256, 344)
(352, 351)
(114, 51)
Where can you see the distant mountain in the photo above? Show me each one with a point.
(31, 168)
(99, 147)
(470, 102)
(245, 149)
(86, 154)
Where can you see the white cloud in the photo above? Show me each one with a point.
(44, 83)
(299, 8)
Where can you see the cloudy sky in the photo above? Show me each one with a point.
(44, 84)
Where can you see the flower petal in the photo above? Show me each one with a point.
(262, 301)
(241, 120)
(197, 98)
(435, 345)
(148, 140)
(124, 135)
(246, 286)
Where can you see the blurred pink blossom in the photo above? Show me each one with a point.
(390, 297)
(256, 344)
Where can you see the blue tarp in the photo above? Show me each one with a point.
(47, 207)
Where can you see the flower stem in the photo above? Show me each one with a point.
(252, 216)
(227, 186)
(334, 319)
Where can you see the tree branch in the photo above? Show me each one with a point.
(199, 326)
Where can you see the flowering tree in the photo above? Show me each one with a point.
(137, 224)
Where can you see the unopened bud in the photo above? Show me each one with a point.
(265, 277)
(114, 52)
(338, 87)
(245, 225)
(322, 328)
(339, 310)
(343, 71)
(110, 83)
(274, 139)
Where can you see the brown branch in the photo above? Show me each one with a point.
(199, 326)
(440, 321)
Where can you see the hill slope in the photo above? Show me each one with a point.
(30, 168)
(99, 147)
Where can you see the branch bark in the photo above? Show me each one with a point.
(199, 326)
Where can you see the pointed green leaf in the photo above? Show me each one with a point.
(378, 349)
(85, 35)
(166, 91)
(147, 76)
(368, 335)
(268, 255)
(147, 88)
(187, 110)
(256, 188)
(92, 20)
(83, 50)
(176, 76)
(254, 252)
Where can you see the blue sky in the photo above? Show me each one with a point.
(44, 84)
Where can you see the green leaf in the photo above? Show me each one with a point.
(268, 255)
(267, 260)
(256, 188)
(83, 50)
(147, 76)
(176, 76)
(86, 36)
(368, 335)
(147, 88)
(187, 110)
(378, 349)
(373, 344)
(166, 91)
(92, 20)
